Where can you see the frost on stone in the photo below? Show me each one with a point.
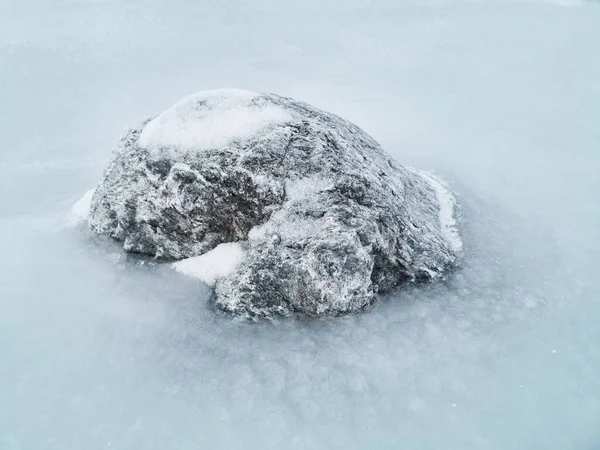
(282, 207)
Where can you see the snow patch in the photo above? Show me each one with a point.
(217, 263)
(80, 210)
(211, 119)
(447, 204)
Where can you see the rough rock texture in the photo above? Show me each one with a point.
(326, 218)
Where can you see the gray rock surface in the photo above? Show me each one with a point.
(326, 219)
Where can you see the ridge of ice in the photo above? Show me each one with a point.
(231, 115)
(447, 204)
(80, 210)
(214, 264)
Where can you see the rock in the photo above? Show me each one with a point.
(323, 217)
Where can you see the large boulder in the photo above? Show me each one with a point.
(318, 217)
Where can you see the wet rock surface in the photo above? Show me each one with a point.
(326, 219)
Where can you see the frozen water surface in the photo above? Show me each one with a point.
(100, 350)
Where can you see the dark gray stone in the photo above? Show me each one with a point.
(327, 219)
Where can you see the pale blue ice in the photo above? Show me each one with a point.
(99, 350)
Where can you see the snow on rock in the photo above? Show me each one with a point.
(329, 219)
(214, 264)
(80, 210)
(211, 119)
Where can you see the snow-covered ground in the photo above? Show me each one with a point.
(99, 350)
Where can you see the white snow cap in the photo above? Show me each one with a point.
(210, 119)
(217, 263)
(80, 210)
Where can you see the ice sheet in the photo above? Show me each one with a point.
(103, 350)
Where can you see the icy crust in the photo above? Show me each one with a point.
(327, 219)
(447, 204)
